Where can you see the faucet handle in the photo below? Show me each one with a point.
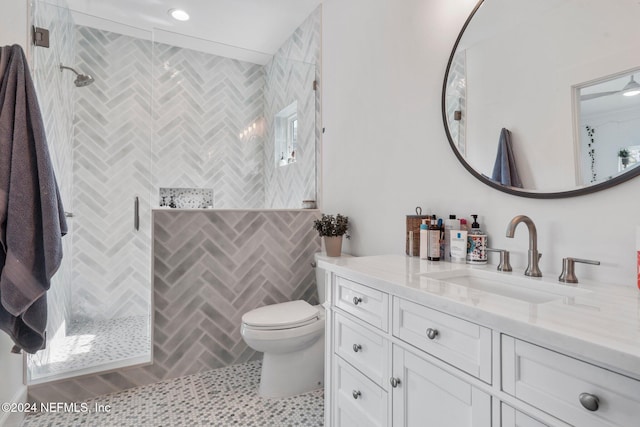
(504, 259)
(568, 274)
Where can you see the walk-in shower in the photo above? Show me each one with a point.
(81, 79)
(159, 116)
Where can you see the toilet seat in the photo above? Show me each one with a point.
(286, 315)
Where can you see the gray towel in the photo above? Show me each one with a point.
(504, 169)
(32, 220)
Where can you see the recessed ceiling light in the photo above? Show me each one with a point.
(178, 14)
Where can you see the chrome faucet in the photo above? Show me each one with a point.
(533, 257)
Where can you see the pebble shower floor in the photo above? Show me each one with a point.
(218, 398)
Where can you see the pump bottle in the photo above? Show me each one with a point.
(477, 246)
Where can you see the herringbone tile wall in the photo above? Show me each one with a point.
(112, 165)
(210, 268)
(201, 104)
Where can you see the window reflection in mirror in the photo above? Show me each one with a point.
(286, 131)
(609, 126)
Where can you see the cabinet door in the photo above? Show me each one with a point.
(511, 417)
(428, 396)
(358, 401)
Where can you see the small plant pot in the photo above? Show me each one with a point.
(625, 161)
(333, 245)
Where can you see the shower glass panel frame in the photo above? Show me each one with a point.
(99, 137)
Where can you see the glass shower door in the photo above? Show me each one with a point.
(99, 136)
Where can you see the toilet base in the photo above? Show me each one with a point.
(293, 373)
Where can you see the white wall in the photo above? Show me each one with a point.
(13, 23)
(13, 29)
(385, 150)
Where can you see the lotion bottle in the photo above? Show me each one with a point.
(458, 246)
(450, 224)
(424, 240)
(477, 247)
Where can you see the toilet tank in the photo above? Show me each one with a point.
(321, 283)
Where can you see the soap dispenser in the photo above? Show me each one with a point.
(477, 244)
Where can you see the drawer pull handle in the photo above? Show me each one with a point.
(356, 394)
(357, 300)
(432, 333)
(589, 401)
(357, 347)
(395, 382)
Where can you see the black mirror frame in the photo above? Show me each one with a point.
(512, 190)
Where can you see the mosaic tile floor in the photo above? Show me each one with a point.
(94, 343)
(218, 398)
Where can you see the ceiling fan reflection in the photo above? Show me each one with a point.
(630, 89)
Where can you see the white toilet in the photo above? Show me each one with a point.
(291, 336)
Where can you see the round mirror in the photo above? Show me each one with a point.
(542, 99)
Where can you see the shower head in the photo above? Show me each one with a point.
(81, 79)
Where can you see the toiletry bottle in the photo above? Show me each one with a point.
(638, 253)
(458, 246)
(434, 240)
(450, 224)
(463, 225)
(441, 239)
(424, 240)
(477, 251)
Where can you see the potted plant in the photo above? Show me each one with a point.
(624, 156)
(331, 229)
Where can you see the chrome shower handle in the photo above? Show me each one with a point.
(136, 213)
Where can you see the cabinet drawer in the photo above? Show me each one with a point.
(460, 343)
(365, 350)
(358, 401)
(555, 383)
(366, 303)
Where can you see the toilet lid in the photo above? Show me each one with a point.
(278, 316)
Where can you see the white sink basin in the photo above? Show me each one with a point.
(532, 290)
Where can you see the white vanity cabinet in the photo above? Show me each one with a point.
(397, 361)
(380, 379)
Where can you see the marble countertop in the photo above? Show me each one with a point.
(601, 324)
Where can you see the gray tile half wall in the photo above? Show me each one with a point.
(210, 267)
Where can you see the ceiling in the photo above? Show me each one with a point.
(250, 30)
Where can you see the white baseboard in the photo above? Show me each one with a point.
(14, 419)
